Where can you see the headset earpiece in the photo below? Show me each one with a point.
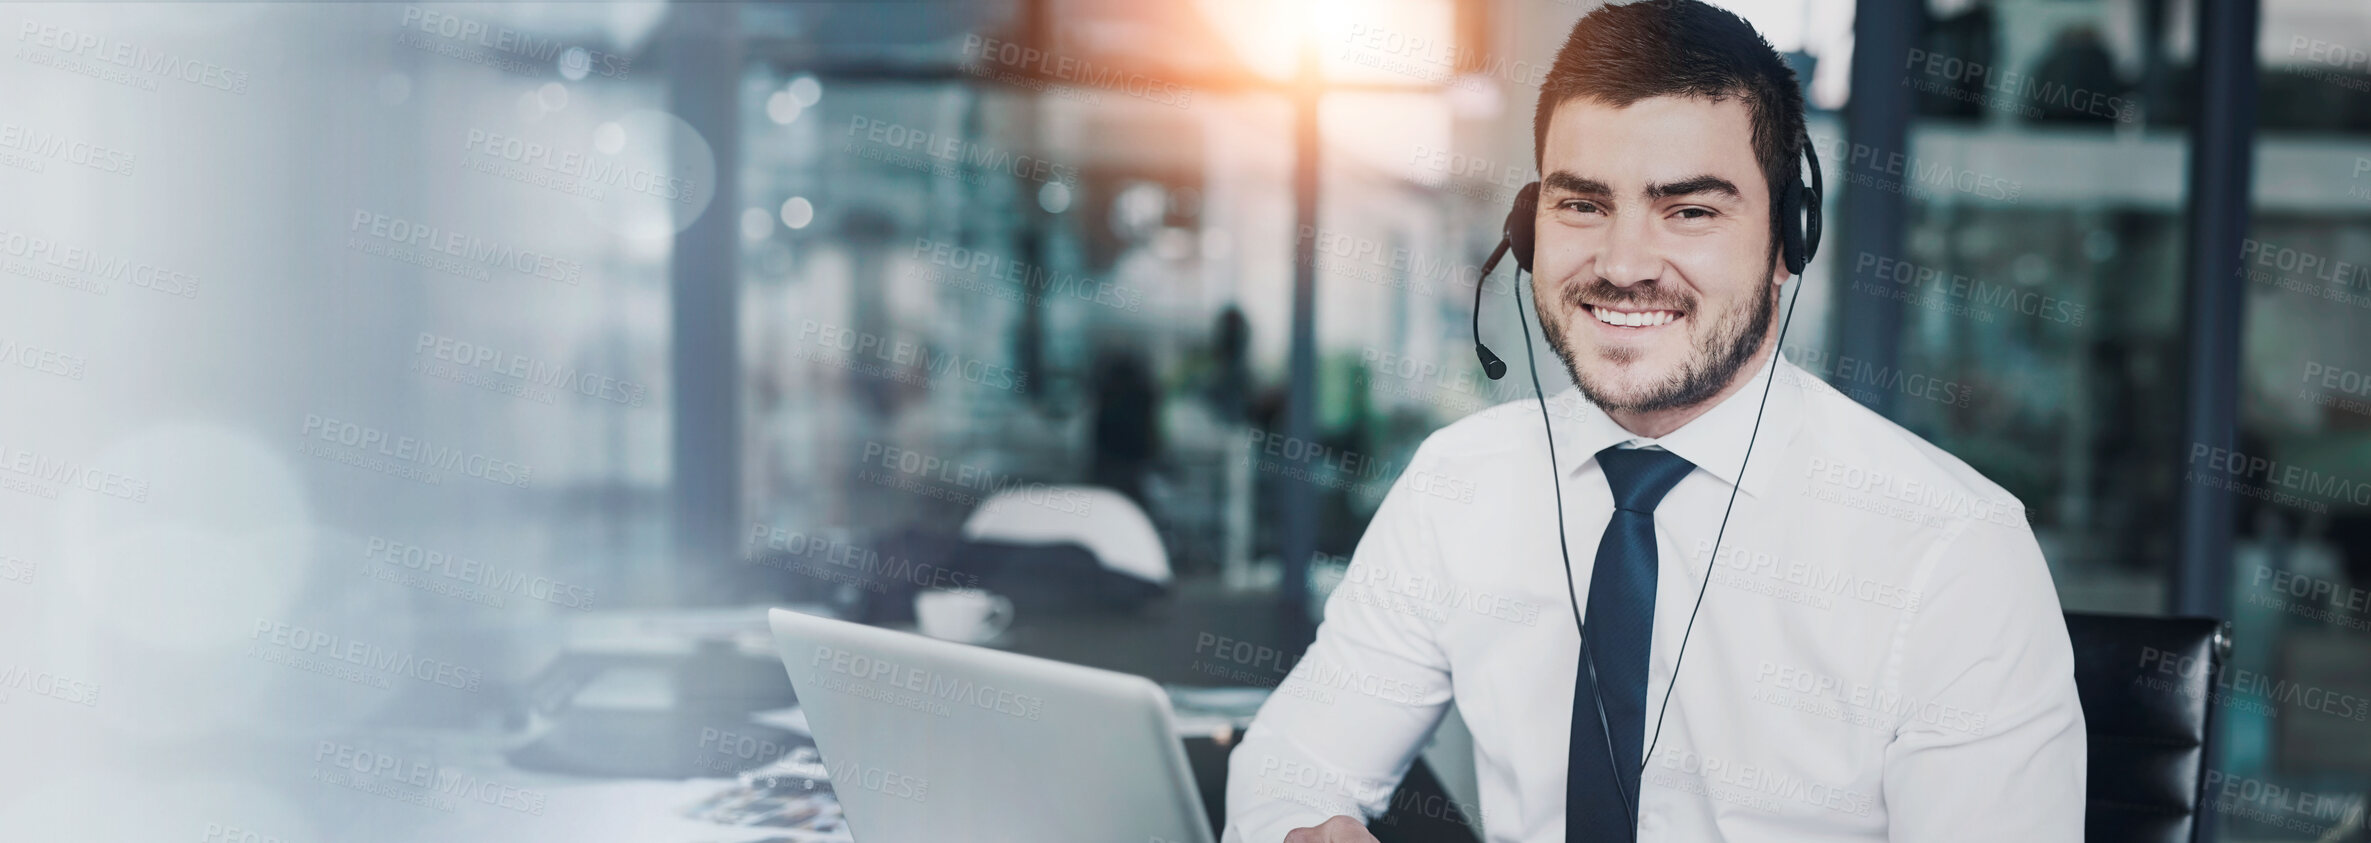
(1813, 200)
(1520, 222)
(1790, 225)
(1799, 215)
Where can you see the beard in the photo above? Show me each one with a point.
(1721, 349)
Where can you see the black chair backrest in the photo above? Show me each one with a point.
(2145, 684)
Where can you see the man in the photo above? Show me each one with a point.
(1879, 654)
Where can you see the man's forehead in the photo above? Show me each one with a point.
(1650, 140)
(1722, 109)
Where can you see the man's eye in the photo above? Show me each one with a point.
(1581, 205)
(1697, 213)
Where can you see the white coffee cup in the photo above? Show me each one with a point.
(969, 615)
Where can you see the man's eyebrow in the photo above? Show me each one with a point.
(1692, 186)
(1565, 180)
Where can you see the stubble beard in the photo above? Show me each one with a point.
(1720, 352)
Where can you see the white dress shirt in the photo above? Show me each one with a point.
(1880, 653)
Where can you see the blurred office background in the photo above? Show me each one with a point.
(487, 334)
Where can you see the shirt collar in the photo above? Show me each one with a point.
(1714, 441)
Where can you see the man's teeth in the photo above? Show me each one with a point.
(1639, 319)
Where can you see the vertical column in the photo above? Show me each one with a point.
(702, 55)
(1297, 533)
(2222, 140)
(1869, 328)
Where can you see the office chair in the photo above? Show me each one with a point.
(2148, 722)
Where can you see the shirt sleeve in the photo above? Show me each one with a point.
(1344, 725)
(1991, 745)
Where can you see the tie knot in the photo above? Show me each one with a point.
(1640, 477)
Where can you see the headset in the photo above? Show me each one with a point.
(1797, 225)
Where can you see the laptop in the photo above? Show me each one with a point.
(929, 740)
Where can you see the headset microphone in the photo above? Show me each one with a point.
(1514, 236)
(1491, 365)
(1797, 230)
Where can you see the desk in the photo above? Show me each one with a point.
(578, 809)
(649, 807)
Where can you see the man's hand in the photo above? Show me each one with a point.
(1336, 830)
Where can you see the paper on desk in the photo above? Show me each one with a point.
(638, 810)
(1214, 712)
(792, 719)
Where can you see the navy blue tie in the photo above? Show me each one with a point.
(1621, 628)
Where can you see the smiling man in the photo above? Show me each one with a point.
(1877, 652)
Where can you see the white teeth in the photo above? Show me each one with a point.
(1640, 319)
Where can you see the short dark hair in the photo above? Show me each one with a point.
(1620, 54)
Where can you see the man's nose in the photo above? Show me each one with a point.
(1630, 255)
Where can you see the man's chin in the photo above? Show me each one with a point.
(1623, 387)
